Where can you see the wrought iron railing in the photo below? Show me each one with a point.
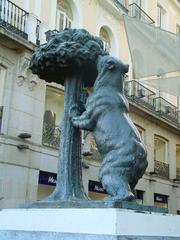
(1, 115)
(51, 136)
(139, 93)
(121, 4)
(38, 22)
(50, 33)
(13, 18)
(145, 97)
(178, 116)
(178, 173)
(166, 109)
(137, 12)
(161, 169)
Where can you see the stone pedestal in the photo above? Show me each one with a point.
(88, 224)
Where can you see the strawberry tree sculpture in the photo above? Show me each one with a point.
(69, 58)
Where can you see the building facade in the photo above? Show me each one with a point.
(31, 110)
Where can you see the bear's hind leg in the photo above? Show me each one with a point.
(117, 187)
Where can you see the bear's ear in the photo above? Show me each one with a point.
(110, 64)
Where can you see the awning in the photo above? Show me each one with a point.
(153, 50)
(169, 85)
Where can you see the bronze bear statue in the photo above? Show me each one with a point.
(124, 157)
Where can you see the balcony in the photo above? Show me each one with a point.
(38, 24)
(13, 18)
(20, 23)
(51, 136)
(161, 169)
(121, 4)
(178, 116)
(1, 115)
(49, 33)
(166, 109)
(139, 93)
(178, 173)
(138, 13)
(146, 98)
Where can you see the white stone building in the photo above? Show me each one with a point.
(31, 110)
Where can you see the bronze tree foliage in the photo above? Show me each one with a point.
(66, 53)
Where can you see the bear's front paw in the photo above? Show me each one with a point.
(75, 121)
(74, 111)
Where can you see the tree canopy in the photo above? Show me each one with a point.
(66, 53)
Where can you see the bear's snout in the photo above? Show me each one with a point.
(126, 68)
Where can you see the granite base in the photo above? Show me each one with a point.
(87, 224)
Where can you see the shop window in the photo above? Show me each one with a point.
(160, 200)
(46, 184)
(53, 116)
(139, 196)
(178, 161)
(106, 39)
(161, 17)
(64, 16)
(160, 149)
(96, 191)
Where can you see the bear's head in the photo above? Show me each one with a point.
(110, 63)
(111, 71)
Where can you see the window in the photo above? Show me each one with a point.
(89, 147)
(160, 149)
(2, 78)
(62, 21)
(46, 184)
(161, 17)
(53, 116)
(106, 39)
(161, 167)
(178, 161)
(140, 3)
(1, 116)
(160, 200)
(55, 103)
(139, 196)
(125, 3)
(96, 191)
(177, 29)
(137, 9)
(64, 15)
(141, 131)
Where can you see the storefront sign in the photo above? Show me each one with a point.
(47, 178)
(96, 187)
